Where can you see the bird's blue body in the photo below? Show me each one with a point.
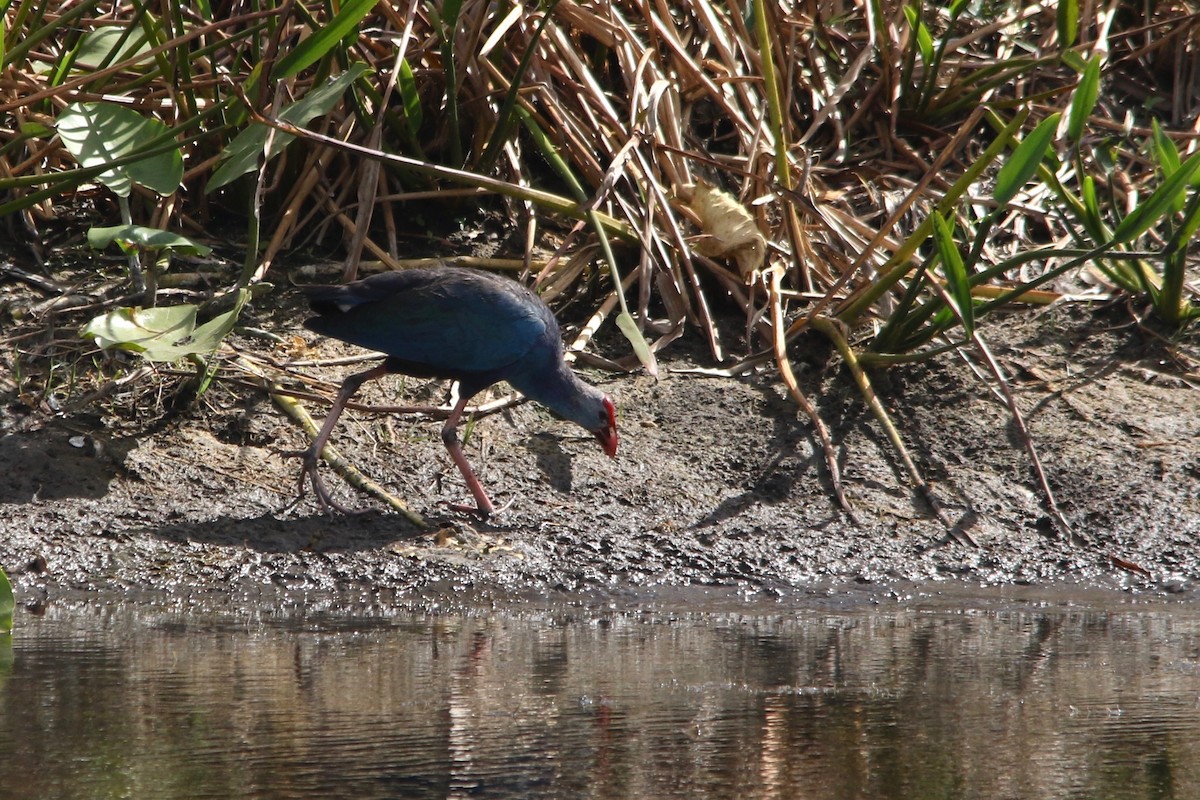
(470, 326)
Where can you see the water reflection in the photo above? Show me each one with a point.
(995, 702)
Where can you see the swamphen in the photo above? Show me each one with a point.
(472, 327)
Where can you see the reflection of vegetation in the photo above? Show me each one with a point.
(907, 169)
(988, 702)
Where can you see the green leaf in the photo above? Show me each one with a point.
(1024, 161)
(243, 152)
(955, 271)
(924, 39)
(1084, 99)
(8, 604)
(629, 327)
(104, 46)
(162, 334)
(142, 238)
(409, 95)
(1067, 23)
(1158, 204)
(97, 134)
(1164, 150)
(1091, 207)
(35, 130)
(324, 39)
(1167, 157)
(1073, 60)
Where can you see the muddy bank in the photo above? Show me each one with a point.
(719, 483)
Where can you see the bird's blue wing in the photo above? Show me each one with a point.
(449, 321)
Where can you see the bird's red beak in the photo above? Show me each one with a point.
(607, 436)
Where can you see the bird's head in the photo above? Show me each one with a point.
(606, 433)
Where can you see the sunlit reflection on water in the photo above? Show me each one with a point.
(998, 701)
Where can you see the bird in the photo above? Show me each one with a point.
(456, 323)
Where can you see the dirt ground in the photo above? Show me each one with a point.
(719, 481)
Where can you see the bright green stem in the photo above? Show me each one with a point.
(771, 84)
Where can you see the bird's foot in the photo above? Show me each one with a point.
(309, 474)
(473, 511)
(479, 511)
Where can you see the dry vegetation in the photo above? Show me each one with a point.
(885, 173)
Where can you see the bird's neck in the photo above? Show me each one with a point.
(558, 388)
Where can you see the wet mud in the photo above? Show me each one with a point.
(719, 483)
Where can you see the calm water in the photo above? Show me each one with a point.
(918, 699)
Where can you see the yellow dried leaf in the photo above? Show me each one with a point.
(728, 230)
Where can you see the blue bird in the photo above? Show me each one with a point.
(473, 327)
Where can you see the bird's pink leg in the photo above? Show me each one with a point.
(483, 505)
(312, 455)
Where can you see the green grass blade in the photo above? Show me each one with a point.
(1024, 162)
(1167, 156)
(1172, 306)
(324, 39)
(1084, 100)
(954, 269)
(1158, 204)
(1067, 23)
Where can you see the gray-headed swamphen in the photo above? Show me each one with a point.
(449, 322)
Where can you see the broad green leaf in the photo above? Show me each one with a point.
(162, 334)
(1158, 204)
(628, 326)
(97, 134)
(143, 238)
(138, 329)
(1024, 161)
(104, 46)
(1067, 23)
(955, 270)
(324, 39)
(1084, 99)
(243, 152)
(8, 604)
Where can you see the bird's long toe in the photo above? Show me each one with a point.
(311, 476)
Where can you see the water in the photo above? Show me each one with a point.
(924, 699)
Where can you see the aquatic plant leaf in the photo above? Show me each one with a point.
(98, 134)
(139, 237)
(104, 46)
(242, 154)
(162, 334)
